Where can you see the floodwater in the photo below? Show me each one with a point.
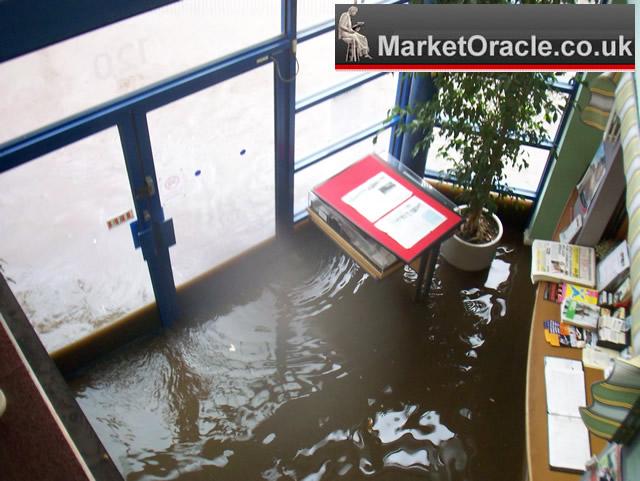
(298, 366)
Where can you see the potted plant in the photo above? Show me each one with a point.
(484, 118)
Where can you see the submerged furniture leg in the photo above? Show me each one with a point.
(421, 270)
(426, 270)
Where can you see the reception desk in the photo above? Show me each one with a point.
(536, 405)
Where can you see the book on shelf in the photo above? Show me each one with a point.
(605, 299)
(613, 268)
(579, 314)
(591, 181)
(551, 292)
(612, 338)
(622, 295)
(577, 293)
(599, 193)
(557, 262)
(613, 332)
(569, 233)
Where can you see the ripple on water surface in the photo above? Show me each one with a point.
(322, 374)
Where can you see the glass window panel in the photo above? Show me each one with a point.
(82, 72)
(436, 162)
(314, 175)
(560, 99)
(317, 66)
(527, 179)
(214, 155)
(341, 116)
(70, 272)
(314, 12)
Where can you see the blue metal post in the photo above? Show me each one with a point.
(402, 98)
(284, 79)
(422, 90)
(151, 232)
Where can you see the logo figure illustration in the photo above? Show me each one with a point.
(357, 44)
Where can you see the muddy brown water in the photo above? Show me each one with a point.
(298, 366)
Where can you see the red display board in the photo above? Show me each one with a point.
(334, 189)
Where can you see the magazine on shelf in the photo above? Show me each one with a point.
(613, 269)
(570, 232)
(552, 292)
(592, 178)
(578, 293)
(557, 262)
(560, 334)
(622, 295)
(579, 314)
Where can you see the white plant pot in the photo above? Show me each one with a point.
(467, 256)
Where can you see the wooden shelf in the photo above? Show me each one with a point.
(536, 404)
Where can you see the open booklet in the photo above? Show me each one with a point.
(394, 210)
(410, 222)
(377, 196)
(568, 437)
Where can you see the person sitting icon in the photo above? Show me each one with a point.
(348, 32)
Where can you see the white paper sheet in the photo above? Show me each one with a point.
(568, 234)
(564, 383)
(568, 443)
(377, 196)
(597, 357)
(562, 363)
(410, 222)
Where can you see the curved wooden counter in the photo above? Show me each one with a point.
(536, 407)
(536, 404)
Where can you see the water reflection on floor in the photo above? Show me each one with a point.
(301, 367)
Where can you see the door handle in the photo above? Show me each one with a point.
(3, 403)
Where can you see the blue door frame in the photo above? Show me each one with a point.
(151, 232)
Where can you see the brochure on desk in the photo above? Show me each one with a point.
(390, 208)
(569, 447)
